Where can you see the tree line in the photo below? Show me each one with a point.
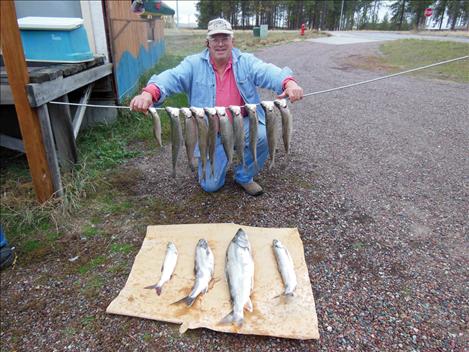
(334, 14)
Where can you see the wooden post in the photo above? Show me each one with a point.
(18, 77)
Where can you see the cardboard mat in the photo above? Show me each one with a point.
(295, 318)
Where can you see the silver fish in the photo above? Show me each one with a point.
(239, 269)
(238, 131)
(204, 267)
(202, 132)
(285, 267)
(226, 132)
(253, 125)
(167, 268)
(156, 125)
(213, 125)
(176, 135)
(287, 122)
(190, 135)
(271, 126)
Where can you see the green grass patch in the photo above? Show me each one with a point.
(358, 245)
(92, 264)
(88, 321)
(90, 231)
(412, 53)
(31, 246)
(124, 248)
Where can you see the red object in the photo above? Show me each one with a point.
(428, 12)
(302, 31)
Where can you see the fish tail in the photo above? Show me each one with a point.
(232, 318)
(156, 287)
(188, 300)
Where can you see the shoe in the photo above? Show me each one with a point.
(252, 188)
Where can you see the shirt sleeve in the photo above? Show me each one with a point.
(153, 90)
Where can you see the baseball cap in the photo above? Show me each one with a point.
(219, 26)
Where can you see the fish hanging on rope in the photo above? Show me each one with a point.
(176, 135)
(287, 122)
(156, 125)
(213, 127)
(190, 135)
(253, 126)
(238, 132)
(202, 135)
(226, 133)
(272, 130)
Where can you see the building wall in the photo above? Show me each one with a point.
(49, 8)
(136, 45)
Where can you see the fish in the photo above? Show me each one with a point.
(190, 135)
(156, 125)
(285, 267)
(204, 268)
(202, 133)
(271, 126)
(213, 125)
(239, 270)
(253, 125)
(238, 132)
(176, 135)
(167, 269)
(226, 132)
(287, 122)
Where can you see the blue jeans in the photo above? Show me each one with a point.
(3, 239)
(241, 175)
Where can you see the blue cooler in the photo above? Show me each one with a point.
(54, 39)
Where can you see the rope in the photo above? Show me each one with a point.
(305, 95)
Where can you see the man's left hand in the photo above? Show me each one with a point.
(293, 91)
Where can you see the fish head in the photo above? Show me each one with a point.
(280, 103)
(221, 111)
(241, 238)
(152, 110)
(277, 244)
(198, 112)
(236, 110)
(172, 111)
(267, 105)
(202, 243)
(186, 112)
(172, 247)
(210, 111)
(251, 108)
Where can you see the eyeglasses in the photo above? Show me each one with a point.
(221, 40)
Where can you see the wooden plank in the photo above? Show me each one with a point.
(41, 93)
(77, 120)
(17, 71)
(11, 143)
(49, 144)
(61, 122)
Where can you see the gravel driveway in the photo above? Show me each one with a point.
(377, 185)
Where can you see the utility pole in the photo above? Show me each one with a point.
(341, 12)
(177, 14)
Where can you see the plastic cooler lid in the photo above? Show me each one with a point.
(44, 23)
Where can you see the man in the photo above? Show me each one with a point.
(221, 76)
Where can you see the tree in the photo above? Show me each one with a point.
(416, 10)
(399, 10)
(440, 10)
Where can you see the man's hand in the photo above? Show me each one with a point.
(141, 102)
(293, 91)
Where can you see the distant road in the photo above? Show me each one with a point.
(353, 37)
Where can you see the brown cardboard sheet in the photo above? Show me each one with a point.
(294, 318)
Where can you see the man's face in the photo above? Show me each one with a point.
(219, 46)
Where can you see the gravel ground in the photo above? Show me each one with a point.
(377, 185)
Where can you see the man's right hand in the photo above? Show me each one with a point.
(141, 102)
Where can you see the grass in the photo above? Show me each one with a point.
(411, 53)
(91, 265)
